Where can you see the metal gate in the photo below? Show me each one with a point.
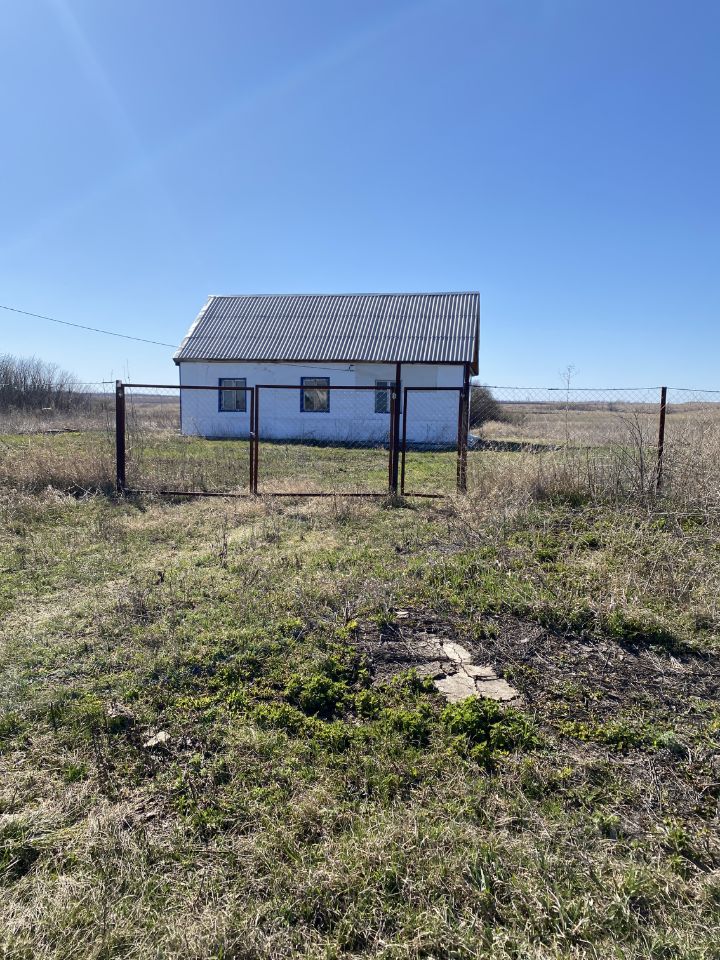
(307, 439)
(433, 446)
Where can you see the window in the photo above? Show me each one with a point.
(314, 396)
(232, 401)
(383, 389)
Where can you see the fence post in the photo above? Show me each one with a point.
(251, 436)
(395, 431)
(403, 444)
(255, 440)
(120, 483)
(661, 438)
(463, 423)
(391, 441)
(461, 458)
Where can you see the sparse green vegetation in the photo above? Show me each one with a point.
(200, 756)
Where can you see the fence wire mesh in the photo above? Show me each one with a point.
(318, 439)
(604, 441)
(59, 438)
(432, 429)
(691, 456)
(174, 444)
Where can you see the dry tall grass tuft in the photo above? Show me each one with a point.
(65, 461)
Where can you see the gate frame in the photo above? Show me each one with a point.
(325, 493)
(397, 439)
(120, 437)
(461, 439)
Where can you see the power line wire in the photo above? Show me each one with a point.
(81, 326)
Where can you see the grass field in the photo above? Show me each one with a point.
(163, 460)
(206, 753)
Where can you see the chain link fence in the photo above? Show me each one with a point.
(691, 454)
(171, 448)
(433, 448)
(603, 441)
(66, 441)
(318, 439)
(610, 443)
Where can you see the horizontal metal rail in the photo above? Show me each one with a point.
(324, 493)
(277, 386)
(186, 493)
(430, 389)
(184, 386)
(133, 491)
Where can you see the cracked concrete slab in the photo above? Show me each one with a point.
(480, 673)
(457, 687)
(496, 689)
(428, 645)
(472, 680)
(456, 652)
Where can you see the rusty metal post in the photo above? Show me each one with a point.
(120, 480)
(458, 468)
(403, 445)
(661, 438)
(256, 444)
(463, 423)
(395, 433)
(391, 441)
(251, 437)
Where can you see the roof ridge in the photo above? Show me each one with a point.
(398, 293)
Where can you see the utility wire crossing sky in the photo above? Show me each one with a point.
(82, 326)
(559, 157)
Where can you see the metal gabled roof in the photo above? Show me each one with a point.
(362, 328)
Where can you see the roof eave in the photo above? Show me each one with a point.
(296, 360)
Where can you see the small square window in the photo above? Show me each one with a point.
(314, 396)
(232, 401)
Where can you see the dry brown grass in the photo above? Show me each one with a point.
(66, 461)
(607, 452)
(584, 451)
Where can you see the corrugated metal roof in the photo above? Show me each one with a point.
(368, 327)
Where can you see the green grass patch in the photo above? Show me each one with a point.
(198, 758)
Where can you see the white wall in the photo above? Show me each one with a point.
(432, 417)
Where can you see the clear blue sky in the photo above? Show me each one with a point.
(560, 156)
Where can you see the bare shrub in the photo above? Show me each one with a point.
(485, 408)
(28, 383)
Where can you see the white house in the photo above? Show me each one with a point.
(310, 353)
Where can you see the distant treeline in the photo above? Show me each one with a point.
(27, 383)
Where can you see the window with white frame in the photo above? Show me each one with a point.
(232, 401)
(314, 396)
(383, 392)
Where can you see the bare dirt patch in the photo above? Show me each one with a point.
(540, 660)
(654, 713)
